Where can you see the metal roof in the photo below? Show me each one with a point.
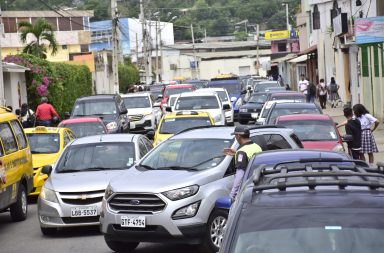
(47, 14)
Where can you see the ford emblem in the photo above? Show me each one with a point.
(135, 202)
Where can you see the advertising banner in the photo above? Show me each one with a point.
(369, 30)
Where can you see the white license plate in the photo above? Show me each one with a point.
(133, 221)
(84, 211)
(254, 115)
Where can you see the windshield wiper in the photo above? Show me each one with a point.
(38, 152)
(166, 133)
(177, 168)
(68, 171)
(146, 167)
(220, 156)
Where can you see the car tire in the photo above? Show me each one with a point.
(215, 231)
(243, 121)
(48, 231)
(19, 209)
(120, 246)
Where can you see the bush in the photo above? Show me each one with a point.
(128, 76)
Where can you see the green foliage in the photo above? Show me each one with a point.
(241, 36)
(66, 82)
(128, 76)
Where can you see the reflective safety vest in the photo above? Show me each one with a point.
(250, 150)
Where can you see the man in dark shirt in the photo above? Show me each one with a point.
(353, 128)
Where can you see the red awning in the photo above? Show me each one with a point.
(309, 50)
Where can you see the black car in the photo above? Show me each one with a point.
(309, 207)
(251, 110)
(110, 108)
(279, 109)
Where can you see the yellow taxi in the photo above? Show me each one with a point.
(46, 143)
(172, 123)
(16, 173)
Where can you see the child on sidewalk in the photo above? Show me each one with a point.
(367, 121)
(353, 128)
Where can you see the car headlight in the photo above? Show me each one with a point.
(186, 211)
(243, 110)
(48, 195)
(338, 148)
(108, 192)
(181, 193)
(217, 118)
(112, 125)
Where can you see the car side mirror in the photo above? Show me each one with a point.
(124, 111)
(67, 115)
(226, 107)
(233, 99)
(223, 203)
(47, 169)
(151, 135)
(347, 138)
(168, 109)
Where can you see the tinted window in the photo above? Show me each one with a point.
(293, 98)
(95, 107)
(66, 138)
(85, 128)
(286, 111)
(147, 143)
(197, 103)
(169, 92)
(44, 143)
(313, 130)
(142, 148)
(19, 134)
(173, 126)
(233, 88)
(97, 156)
(137, 102)
(8, 139)
(271, 142)
(260, 87)
(223, 96)
(258, 98)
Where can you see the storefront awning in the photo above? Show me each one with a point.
(309, 50)
(283, 59)
(301, 58)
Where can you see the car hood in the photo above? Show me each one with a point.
(135, 111)
(323, 145)
(81, 181)
(145, 180)
(39, 160)
(252, 106)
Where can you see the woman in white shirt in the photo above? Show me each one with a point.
(322, 93)
(368, 125)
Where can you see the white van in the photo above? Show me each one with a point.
(202, 102)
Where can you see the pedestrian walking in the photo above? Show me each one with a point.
(322, 93)
(353, 128)
(311, 92)
(368, 125)
(244, 153)
(303, 85)
(333, 89)
(46, 113)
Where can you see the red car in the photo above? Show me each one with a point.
(85, 126)
(316, 131)
(175, 89)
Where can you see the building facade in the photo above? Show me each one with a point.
(72, 32)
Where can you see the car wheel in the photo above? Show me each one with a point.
(120, 246)
(215, 231)
(19, 209)
(48, 231)
(243, 121)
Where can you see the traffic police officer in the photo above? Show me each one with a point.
(244, 153)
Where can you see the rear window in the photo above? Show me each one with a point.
(197, 103)
(173, 126)
(8, 139)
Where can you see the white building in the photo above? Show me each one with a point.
(15, 88)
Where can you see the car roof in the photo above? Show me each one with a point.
(287, 93)
(179, 86)
(282, 101)
(210, 89)
(198, 94)
(266, 82)
(206, 133)
(80, 120)
(106, 138)
(295, 105)
(136, 94)
(102, 96)
(323, 117)
(184, 114)
(44, 130)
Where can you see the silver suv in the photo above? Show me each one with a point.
(170, 194)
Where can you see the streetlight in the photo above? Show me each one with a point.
(287, 13)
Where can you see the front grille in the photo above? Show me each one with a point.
(74, 220)
(151, 228)
(136, 203)
(82, 198)
(136, 117)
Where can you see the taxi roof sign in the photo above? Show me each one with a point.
(41, 129)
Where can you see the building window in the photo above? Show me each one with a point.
(9, 25)
(335, 11)
(64, 24)
(316, 18)
(84, 48)
(77, 24)
(64, 47)
(310, 21)
(282, 47)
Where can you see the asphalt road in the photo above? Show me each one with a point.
(26, 237)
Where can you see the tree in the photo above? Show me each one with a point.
(43, 32)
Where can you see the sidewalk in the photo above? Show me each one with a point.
(338, 117)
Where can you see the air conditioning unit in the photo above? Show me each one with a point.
(173, 66)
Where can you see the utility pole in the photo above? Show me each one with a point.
(137, 53)
(149, 37)
(115, 47)
(161, 52)
(157, 49)
(257, 50)
(194, 52)
(2, 97)
(287, 13)
(144, 33)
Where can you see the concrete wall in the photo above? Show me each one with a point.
(15, 90)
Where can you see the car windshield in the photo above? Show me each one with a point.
(137, 102)
(82, 129)
(95, 107)
(258, 98)
(156, 93)
(261, 87)
(296, 99)
(173, 126)
(97, 156)
(197, 103)
(176, 154)
(286, 111)
(169, 92)
(223, 96)
(171, 101)
(334, 231)
(44, 143)
(312, 130)
(234, 88)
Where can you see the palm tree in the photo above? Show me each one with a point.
(43, 32)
